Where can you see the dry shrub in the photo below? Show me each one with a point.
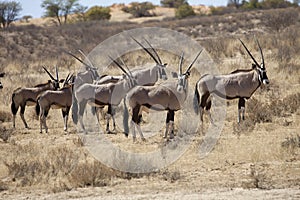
(279, 19)
(291, 142)
(5, 116)
(259, 112)
(90, 173)
(58, 166)
(5, 134)
(285, 106)
(171, 176)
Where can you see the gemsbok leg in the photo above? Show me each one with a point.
(241, 109)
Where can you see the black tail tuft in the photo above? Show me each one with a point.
(14, 110)
(37, 107)
(196, 100)
(74, 109)
(125, 118)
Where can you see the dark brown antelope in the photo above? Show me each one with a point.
(109, 94)
(23, 97)
(59, 99)
(167, 96)
(239, 84)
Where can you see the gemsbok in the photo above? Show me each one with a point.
(59, 99)
(239, 84)
(150, 75)
(109, 94)
(23, 97)
(1, 75)
(167, 96)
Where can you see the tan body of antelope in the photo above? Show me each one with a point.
(60, 99)
(23, 97)
(1, 75)
(109, 94)
(167, 96)
(239, 84)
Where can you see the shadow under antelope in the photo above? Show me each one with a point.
(239, 84)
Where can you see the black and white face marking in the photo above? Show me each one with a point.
(162, 71)
(1, 86)
(182, 83)
(263, 75)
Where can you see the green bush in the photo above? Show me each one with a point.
(98, 13)
(184, 11)
(139, 9)
(173, 3)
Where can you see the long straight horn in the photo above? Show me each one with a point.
(66, 80)
(191, 65)
(146, 50)
(49, 74)
(249, 52)
(56, 71)
(180, 63)
(89, 61)
(123, 63)
(81, 61)
(154, 51)
(261, 53)
(118, 64)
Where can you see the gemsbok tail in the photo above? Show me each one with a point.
(125, 118)
(74, 109)
(37, 107)
(196, 100)
(14, 110)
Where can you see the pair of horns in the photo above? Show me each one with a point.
(129, 74)
(68, 78)
(190, 66)
(51, 74)
(157, 58)
(261, 53)
(89, 65)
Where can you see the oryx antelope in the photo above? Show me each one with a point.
(59, 99)
(1, 75)
(239, 84)
(23, 97)
(150, 75)
(109, 94)
(167, 96)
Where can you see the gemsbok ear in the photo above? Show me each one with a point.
(61, 80)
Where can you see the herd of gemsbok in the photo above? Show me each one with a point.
(139, 89)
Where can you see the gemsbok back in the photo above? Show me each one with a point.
(239, 84)
(167, 96)
(23, 97)
(59, 99)
(109, 94)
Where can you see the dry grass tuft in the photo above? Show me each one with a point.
(61, 167)
(5, 116)
(291, 143)
(5, 134)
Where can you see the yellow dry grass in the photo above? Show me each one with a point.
(251, 159)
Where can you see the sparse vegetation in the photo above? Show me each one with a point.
(259, 158)
(140, 9)
(9, 10)
(184, 11)
(60, 9)
(98, 13)
(173, 3)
